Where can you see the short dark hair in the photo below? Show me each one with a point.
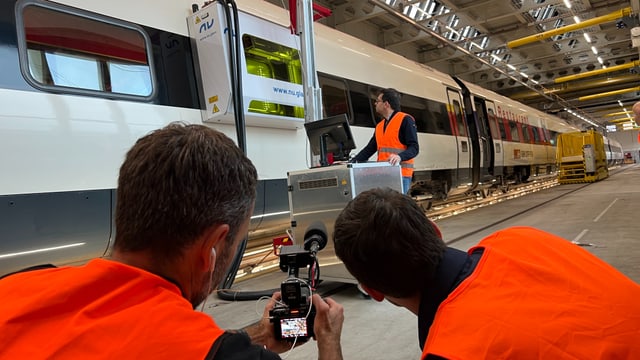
(387, 242)
(177, 182)
(392, 96)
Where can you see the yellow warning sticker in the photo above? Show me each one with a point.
(344, 182)
(215, 108)
(213, 99)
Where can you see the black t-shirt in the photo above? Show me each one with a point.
(236, 346)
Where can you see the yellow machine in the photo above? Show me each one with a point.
(581, 157)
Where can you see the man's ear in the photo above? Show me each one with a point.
(375, 294)
(214, 236)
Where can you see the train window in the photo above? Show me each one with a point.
(437, 118)
(361, 103)
(334, 97)
(546, 136)
(64, 49)
(526, 138)
(536, 135)
(553, 137)
(431, 116)
(415, 107)
(513, 128)
(493, 124)
(502, 127)
(462, 130)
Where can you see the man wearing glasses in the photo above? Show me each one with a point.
(395, 138)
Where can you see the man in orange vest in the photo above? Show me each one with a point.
(521, 293)
(184, 200)
(395, 138)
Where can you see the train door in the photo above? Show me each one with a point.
(485, 139)
(462, 175)
(496, 139)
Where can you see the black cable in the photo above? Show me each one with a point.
(233, 30)
(240, 119)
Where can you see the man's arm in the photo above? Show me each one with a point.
(367, 151)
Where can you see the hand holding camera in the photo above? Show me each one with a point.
(293, 317)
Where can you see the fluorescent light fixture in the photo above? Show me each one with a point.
(576, 19)
(8, 255)
(567, 4)
(511, 67)
(595, 51)
(587, 37)
(600, 60)
(524, 75)
(269, 214)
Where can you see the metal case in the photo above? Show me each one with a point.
(317, 196)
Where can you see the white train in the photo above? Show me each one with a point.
(81, 80)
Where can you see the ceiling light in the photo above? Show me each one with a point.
(599, 59)
(586, 37)
(576, 19)
(567, 4)
(595, 51)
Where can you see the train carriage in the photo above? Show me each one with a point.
(82, 80)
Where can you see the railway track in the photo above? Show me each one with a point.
(455, 206)
(259, 257)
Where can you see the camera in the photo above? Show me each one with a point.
(293, 318)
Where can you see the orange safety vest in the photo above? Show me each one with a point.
(534, 295)
(103, 310)
(388, 142)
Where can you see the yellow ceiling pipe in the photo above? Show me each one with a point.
(617, 113)
(609, 93)
(597, 72)
(565, 29)
(583, 85)
(621, 120)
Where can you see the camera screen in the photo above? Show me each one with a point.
(293, 327)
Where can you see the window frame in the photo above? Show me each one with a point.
(60, 89)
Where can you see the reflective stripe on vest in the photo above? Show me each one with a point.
(534, 295)
(103, 310)
(388, 141)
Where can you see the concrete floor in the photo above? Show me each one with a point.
(601, 217)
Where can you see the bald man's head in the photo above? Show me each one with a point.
(636, 112)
